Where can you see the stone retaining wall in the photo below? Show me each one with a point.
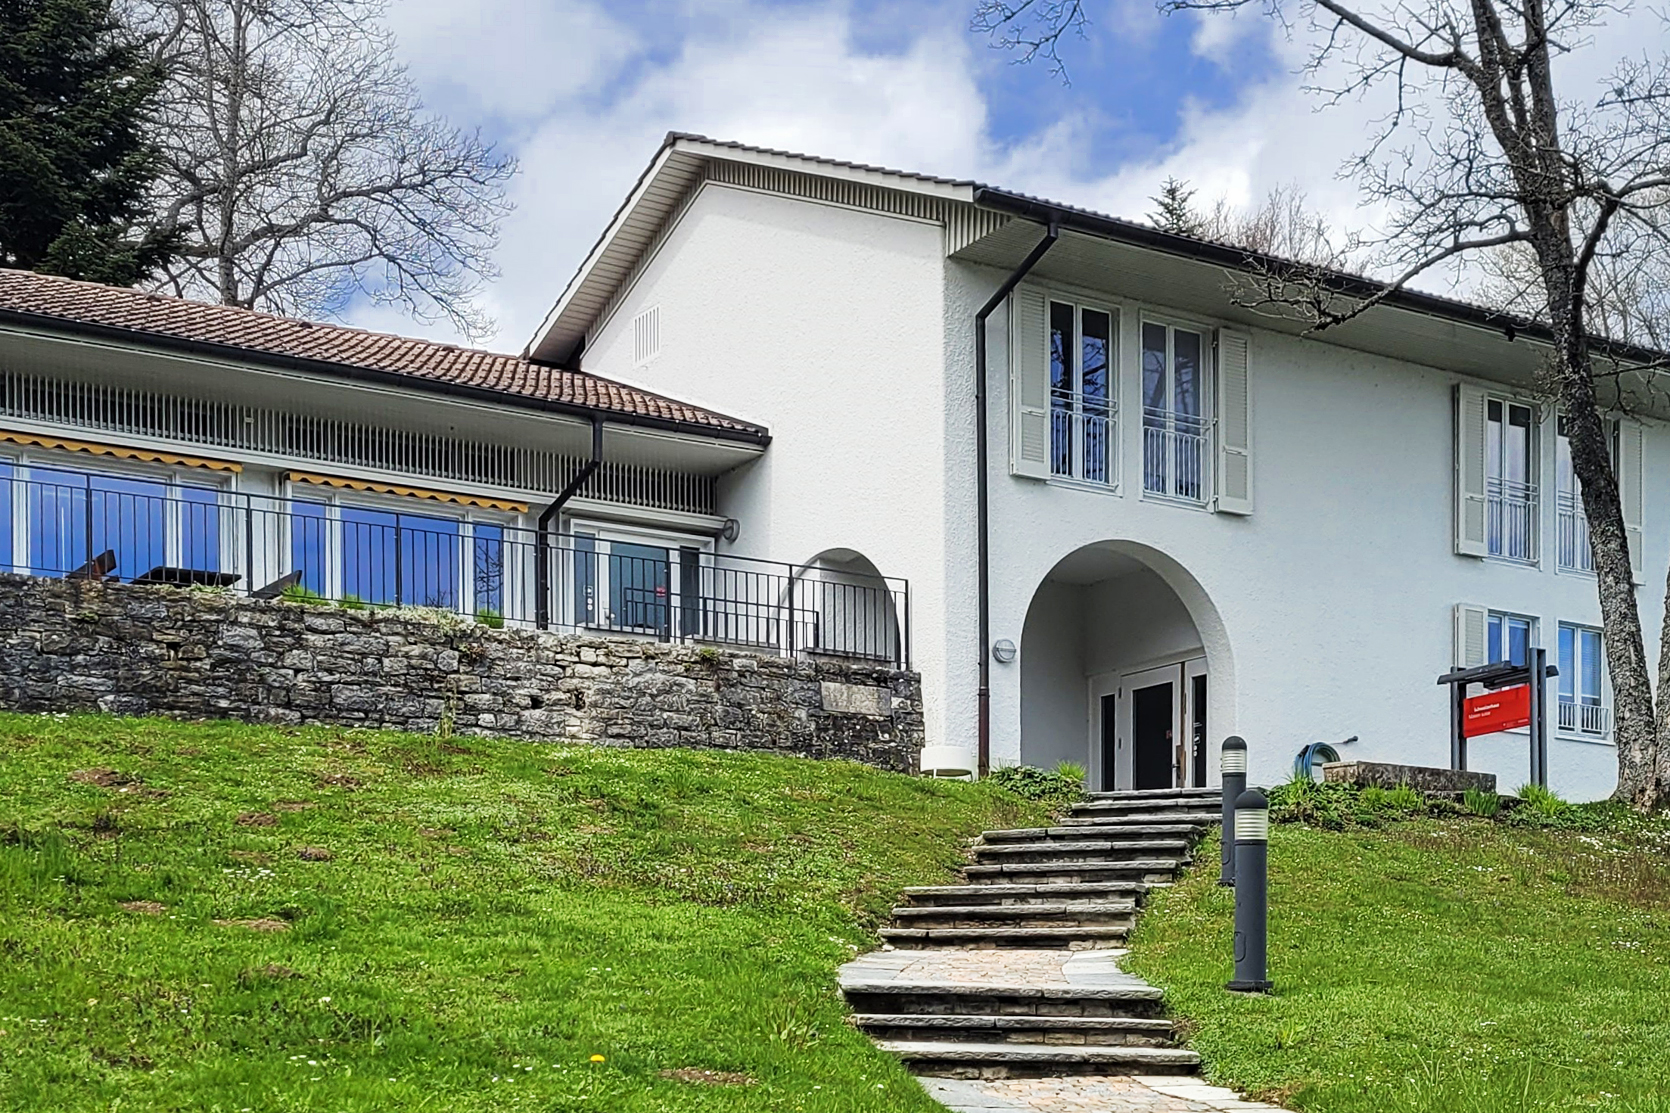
(187, 653)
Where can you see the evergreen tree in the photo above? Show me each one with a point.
(1175, 215)
(75, 166)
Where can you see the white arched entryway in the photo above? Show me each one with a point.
(849, 608)
(1125, 669)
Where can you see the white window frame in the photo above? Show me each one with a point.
(1591, 722)
(610, 533)
(1497, 503)
(27, 461)
(1208, 407)
(335, 500)
(1501, 650)
(1078, 419)
(1571, 522)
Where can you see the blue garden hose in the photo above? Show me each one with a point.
(1314, 755)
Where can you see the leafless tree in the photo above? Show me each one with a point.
(1282, 224)
(303, 171)
(1478, 152)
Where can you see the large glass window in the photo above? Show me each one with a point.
(1511, 637)
(1174, 443)
(1510, 471)
(1575, 554)
(114, 525)
(1582, 698)
(1081, 392)
(622, 585)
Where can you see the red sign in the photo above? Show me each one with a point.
(1503, 709)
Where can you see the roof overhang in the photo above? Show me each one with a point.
(1192, 275)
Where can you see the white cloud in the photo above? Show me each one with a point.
(586, 104)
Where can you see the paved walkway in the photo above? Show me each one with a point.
(1075, 1094)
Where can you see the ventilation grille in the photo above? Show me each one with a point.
(646, 335)
(112, 409)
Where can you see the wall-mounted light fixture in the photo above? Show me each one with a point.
(1003, 651)
(732, 528)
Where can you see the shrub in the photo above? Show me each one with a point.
(297, 593)
(490, 617)
(1058, 787)
(1481, 803)
(351, 602)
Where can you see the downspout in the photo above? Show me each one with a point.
(984, 756)
(542, 538)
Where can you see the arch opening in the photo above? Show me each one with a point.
(1125, 670)
(847, 608)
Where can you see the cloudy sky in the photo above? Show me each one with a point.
(582, 93)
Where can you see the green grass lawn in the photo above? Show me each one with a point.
(1445, 965)
(223, 917)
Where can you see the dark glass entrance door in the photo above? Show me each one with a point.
(1110, 741)
(1152, 722)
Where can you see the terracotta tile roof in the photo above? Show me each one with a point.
(168, 318)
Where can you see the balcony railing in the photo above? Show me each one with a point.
(1511, 519)
(1081, 437)
(1573, 527)
(1585, 718)
(1174, 454)
(378, 556)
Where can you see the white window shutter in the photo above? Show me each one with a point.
(1470, 441)
(1472, 635)
(1631, 490)
(1029, 385)
(1234, 379)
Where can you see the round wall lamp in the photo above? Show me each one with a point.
(731, 528)
(1003, 651)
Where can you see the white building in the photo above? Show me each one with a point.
(1201, 522)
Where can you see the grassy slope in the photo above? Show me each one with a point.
(493, 915)
(1448, 966)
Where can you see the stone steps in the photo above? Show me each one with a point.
(1073, 886)
(929, 895)
(1039, 914)
(1148, 871)
(1154, 795)
(1122, 1031)
(1098, 831)
(1087, 850)
(1078, 937)
(955, 1059)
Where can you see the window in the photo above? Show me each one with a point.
(1574, 554)
(1081, 341)
(379, 554)
(636, 583)
(1510, 489)
(1509, 637)
(1174, 430)
(63, 520)
(1582, 707)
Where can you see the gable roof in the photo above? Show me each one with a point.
(654, 203)
(223, 331)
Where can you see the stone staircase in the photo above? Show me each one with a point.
(1075, 888)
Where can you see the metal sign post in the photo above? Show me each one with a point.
(1515, 696)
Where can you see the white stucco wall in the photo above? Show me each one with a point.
(824, 324)
(1336, 595)
(1326, 613)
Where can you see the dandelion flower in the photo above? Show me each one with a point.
(597, 1058)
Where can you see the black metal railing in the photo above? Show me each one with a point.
(141, 531)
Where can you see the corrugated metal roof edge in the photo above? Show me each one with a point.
(744, 432)
(1209, 251)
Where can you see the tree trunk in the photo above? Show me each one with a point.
(1634, 725)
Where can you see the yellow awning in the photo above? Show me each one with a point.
(410, 492)
(119, 451)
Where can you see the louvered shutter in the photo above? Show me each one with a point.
(1470, 441)
(1029, 386)
(1472, 633)
(1631, 490)
(1234, 470)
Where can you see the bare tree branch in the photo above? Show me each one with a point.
(305, 173)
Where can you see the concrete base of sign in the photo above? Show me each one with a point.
(1381, 774)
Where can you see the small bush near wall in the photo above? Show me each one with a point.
(83, 646)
